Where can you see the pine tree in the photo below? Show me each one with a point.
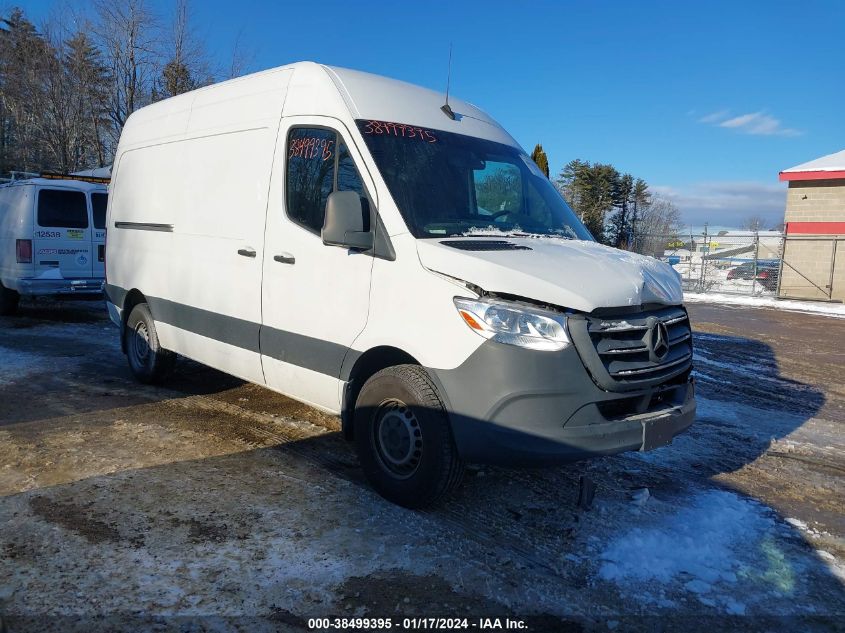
(539, 157)
(640, 200)
(175, 79)
(24, 57)
(619, 230)
(590, 191)
(87, 71)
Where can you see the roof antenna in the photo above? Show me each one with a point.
(446, 108)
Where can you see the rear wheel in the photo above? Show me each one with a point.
(404, 439)
(148, 360)
(9, 300)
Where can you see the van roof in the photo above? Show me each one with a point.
(59, 183)
(313, 89)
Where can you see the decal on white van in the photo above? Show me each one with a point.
(399, 129)
(62, 251)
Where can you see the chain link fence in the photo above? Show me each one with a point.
(739, 262)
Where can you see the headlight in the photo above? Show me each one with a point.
(514, 325)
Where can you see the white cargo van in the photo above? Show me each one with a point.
(343, 239)
(52, 238)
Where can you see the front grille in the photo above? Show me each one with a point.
(485, 245)
(624, 352)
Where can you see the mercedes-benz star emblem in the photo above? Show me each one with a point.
(659, 341)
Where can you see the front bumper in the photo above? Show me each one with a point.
(513, 406)
(43, 287)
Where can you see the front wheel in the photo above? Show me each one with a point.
(149, 361)
(404, 439)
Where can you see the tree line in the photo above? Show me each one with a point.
(65, 92)
(617, 208)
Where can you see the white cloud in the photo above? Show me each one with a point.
(757, 123)
(727, 203)
(740, 121)
(714, 117)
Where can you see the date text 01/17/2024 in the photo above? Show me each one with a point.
(416, 624)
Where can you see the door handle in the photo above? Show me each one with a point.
(285, 258)
(246, 252)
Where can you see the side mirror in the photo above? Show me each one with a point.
(344, 222)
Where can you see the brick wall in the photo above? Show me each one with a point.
(815, 201)
(806, 267)
(807, 261)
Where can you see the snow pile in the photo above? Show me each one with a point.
(496, 231)
(816, 307)
(702, 544)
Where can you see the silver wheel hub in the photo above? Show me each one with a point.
(398, 438)
(141, 342)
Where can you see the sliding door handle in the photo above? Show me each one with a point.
(285, 258)
(246, 252)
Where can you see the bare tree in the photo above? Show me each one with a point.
(242, 58)
(753, 223)
(128, 33)
(73, 109)
(186, 64)
(658, 226)
(68, 87)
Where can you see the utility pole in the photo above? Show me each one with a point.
(704, 254)
(756, 255)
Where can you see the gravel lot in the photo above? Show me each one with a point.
(210, 504)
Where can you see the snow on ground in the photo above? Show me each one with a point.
(720, 549)
(816, 307)
(707, 544)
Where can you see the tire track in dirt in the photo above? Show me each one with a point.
(335, 456)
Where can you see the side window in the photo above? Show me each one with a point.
(62, 208)
(99, 202)
(318, 164)
(498, 187)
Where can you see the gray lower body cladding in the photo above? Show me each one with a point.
(514, 406)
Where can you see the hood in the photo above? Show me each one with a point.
(569, 273)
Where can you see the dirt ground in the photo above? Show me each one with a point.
(211, 504)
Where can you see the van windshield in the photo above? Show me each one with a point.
(448, 184)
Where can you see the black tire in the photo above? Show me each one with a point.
(9, 300)
(404, 439)
(149, 361)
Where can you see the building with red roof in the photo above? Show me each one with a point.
(814, 223)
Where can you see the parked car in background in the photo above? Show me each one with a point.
(766, 273)
(52, 238)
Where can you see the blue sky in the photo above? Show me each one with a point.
(707, 101)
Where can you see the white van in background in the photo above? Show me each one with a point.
(52, 238)
(347, 240)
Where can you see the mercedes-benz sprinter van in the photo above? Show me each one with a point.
(52, 238)
(341, 238)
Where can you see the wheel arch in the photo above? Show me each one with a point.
(132, 298)
(366, 365)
